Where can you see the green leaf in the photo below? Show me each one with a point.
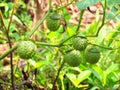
(112, 68)
(111, 3)
(86, 3)
(96, 74)
(73, 78)
(101, 73)
(76, 80)
(84, 75)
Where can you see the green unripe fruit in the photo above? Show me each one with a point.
(92, 55)
(73, 58)
(26, 49)
(80, 43)
(53, 22)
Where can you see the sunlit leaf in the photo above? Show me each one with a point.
(112, 68)
(99, 73)
(73, 78)
(39, 64)
(84, 75)
(76, 80)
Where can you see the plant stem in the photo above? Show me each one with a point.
(2, 19)
(10, 45)
(79, 23)
(109, 48)
(40, 22)
(8, 52)
(60, 68)
(61, 43)
(103, 20)
(47, 44)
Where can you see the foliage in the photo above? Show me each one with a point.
(47, 68)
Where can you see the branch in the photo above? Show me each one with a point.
(58, 74)
(47, 44)
(79, 23)
(103, 20)
(109, 48)
(40, 22)
(61, 43)
(8, 52)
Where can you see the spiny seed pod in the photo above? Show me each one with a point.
(73, 58)
(53, 21)
(80, 43)
(26, 49)
(92, 55)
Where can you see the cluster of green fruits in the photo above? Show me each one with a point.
(73, 58)
(27, 49)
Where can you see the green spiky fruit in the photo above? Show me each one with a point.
(26, 49)
(53, 22)
(73, 58)
(80, 43)
(92, 55)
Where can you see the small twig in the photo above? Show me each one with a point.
(2, 19)
(60, 68)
